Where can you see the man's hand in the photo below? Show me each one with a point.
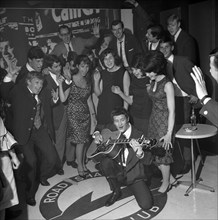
(136, 146)
(54, 94)
(98, 139)
(197, 76)
(132, 2)
(95, 30)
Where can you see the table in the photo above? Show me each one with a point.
(202, 131)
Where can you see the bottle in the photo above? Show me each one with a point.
(193, 118)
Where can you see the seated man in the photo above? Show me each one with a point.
(127, 167)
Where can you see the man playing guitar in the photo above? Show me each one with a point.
(127, 168)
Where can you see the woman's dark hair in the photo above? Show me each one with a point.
(107, 51)
(138, 62)
(82, 58)
(155, 62)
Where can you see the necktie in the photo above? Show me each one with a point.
(170, 70)
(69, 47)
(37, 119)
(124, 151)
(150, 48)
(121, 51)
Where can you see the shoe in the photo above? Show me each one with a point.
(82, 174)
(87, 171)
(174, 183)
(167, 190)
(11, 214)
(31, 201)
(113, 198)
(44, 182)
(72, 163)
(60, 172)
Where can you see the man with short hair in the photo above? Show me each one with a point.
(209, 106)
(35, 58)
(77, 44)
(153, 35)
(124, 43)
(127, 167)
(185, 44)
(178, 70)
(59, 117)
(33, 129)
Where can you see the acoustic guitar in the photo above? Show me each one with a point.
(111, 146)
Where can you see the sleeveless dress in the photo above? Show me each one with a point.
(158, 122)
(78, 115)
(108, 100)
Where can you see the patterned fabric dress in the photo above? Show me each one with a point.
(158, 122)
(78, 116)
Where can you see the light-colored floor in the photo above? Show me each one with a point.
(198, 205)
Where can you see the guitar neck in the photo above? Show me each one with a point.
(144, 141)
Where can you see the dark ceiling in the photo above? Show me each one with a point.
(91, 3)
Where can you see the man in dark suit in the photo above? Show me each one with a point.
(179, 69)
(77, 44)
(35, 58)
(185, 44)
(124, 43)
(127, 168)
(141, 21)
(59, 118)
(153, 35)
(33, 129)
(210, 106)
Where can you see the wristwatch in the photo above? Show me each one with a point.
(203, 99)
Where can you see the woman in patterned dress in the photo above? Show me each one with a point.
(162, 119)
(79, 106)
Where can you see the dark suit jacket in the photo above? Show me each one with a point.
(132, 46)
(22, 74)
(58, 108)
(210, 111)
(185, 45)
(141, 21)
(182, 67)
(23, 106)
(134, 165)
(79, 45)
(146, 46)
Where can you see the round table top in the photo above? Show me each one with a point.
(201, 131)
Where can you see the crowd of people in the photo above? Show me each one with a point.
(58, 102)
